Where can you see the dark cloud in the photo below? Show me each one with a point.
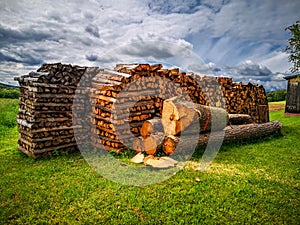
(91, 57)
(249, 69)
(255, 73)
(12, 36)
(147, 49)
(21, 57)
(173, 6)
(93, 30)
(185, 6)
(209, 68)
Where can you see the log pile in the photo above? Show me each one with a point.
(184, 122)
(189, 121)
(235, 97)
(121, 101)
(247, 98)
(45, 109)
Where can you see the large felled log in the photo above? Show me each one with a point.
(236, 133)
(178, 115)
(242, 133)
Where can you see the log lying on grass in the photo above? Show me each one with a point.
(233, 134)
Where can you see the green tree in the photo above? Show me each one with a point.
(293, 47)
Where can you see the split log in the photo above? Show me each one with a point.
(233, 134)
(239, 119)
(138, 158)
(178, 115)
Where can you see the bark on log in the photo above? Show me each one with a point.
(233, 134)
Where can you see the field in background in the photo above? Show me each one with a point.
(276, 106)
(256, 183)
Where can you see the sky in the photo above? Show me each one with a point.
(244, 40)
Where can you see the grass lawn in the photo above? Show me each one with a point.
(257, 183)
(277, 103)
(276, 106)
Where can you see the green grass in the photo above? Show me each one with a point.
(256, 183)
(276, 103)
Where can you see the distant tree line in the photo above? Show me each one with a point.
(9, 92)
(275, 96)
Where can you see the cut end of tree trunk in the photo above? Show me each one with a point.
(170, 143)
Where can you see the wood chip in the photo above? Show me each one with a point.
(162, 163)
(138, 158)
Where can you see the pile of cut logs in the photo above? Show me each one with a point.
(247, 98)
(121, 101)
(45, 109)
(187, 121)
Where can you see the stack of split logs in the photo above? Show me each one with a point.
(133, 106)
(247, 98)
(45, 109)
(130, 113)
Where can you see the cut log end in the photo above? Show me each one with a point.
(170, 143)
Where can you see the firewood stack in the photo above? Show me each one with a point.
(235, 97)
(247, 98)
(45, 109)
(121, 100)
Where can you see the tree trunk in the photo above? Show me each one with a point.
(236, 133)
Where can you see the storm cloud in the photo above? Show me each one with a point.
(231, 38)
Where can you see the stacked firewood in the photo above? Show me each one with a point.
(247, 98)
(121, 101)
(45, 109)
(235, 97)
(127, 97)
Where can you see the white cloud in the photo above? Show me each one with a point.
(249, 71)
(200, 36)
(278, 61)
(257, 20)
